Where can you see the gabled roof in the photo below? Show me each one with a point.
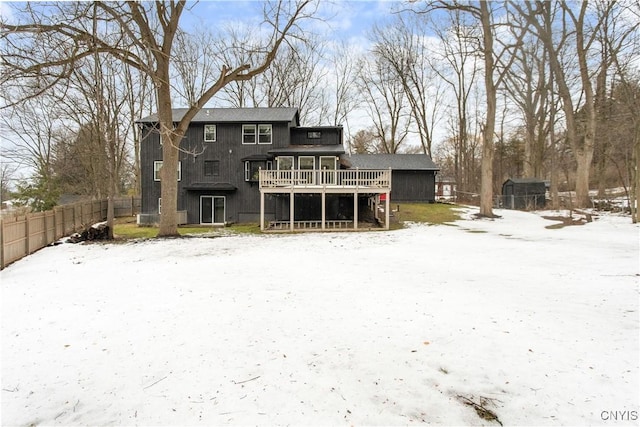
(393, 161)
(234, 115)
(525, 180)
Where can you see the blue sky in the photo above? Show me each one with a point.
(345, 19)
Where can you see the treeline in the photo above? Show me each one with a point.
(545, 89)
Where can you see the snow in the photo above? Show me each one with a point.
(539, 326)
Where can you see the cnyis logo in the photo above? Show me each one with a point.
(619, 415)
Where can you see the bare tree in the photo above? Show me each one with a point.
(497, 60)
(34, 128)
(581, 24)
(455, 62)
(343, 75)
(7, 176)
(385, 103)
(404, 46)
(296, 79)
(147, 33)
(528, 86)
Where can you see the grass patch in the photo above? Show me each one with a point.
(431, 213)
(128, 229)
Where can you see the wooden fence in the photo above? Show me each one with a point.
(22, 235)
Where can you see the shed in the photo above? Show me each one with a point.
(524, 193)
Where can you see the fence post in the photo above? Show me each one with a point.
(1, 244)
(26, 233)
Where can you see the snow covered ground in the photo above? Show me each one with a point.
(538, 326)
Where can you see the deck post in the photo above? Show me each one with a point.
(355, 210)
(324, 209)
(291, 210)
(386, 211)
(261, 210)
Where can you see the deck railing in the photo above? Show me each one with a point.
(348, 178)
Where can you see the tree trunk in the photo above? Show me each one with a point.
(583, 164)
(169, 171)
(486, 182)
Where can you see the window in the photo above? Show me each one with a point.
(157, 165)
(264, 134)
(251, 169)
(285, 162)
(260, 134)
(328, 168)
(209, 133)
(314, 135)
(306, 162)
(248, 134)
(211, 167)
(156, 170)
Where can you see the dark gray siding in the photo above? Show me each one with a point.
(150, 150)
(228, 150)
(329, 136)
(413, 186)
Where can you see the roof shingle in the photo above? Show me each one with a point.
(234, 115)
(393, 161)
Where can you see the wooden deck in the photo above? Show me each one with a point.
(306, 181)
(356, 182)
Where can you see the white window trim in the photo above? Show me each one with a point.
(215, 133)
(157, 165)
(255, 134)
(247, 170)
(270, 134)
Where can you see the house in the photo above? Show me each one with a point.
(413, 175)
(524, 193)
(259, 165)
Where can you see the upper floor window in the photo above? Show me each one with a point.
(248, 134)
(157, 165)
(314, 135)
(264, 134)
(209, 133)
(260, 134)
(211, 167)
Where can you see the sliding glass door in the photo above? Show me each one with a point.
(212, 209)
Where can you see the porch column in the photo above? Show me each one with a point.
(386, 211)
(355, 210)
(291, 210)
(261, 211)
(324, 210)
